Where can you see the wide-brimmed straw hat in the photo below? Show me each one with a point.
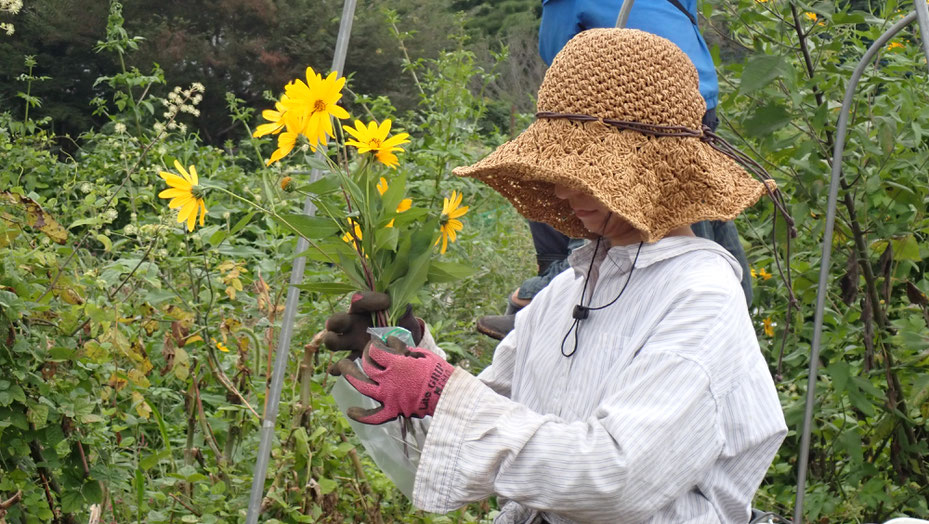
(619, 118)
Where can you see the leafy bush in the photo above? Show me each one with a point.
(135, 359)
(869, 453)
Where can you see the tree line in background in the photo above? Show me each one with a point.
(252, 47)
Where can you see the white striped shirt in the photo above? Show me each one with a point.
(665, 413)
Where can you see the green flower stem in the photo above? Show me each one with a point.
(281, 219)
(344, 174)
(252, 140)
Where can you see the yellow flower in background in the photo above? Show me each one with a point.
(404, 204)
(219, 345)
(764, 274)
(373, 137)
(185, 193)
(310, 106)
(762, 1)
(768, 327)
(348, 238)
(895, 45)
(810, 15)
(754, 273)
(449, 224)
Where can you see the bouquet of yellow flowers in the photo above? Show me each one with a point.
(366, 226)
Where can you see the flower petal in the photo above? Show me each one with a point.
(189, 207)
(181, 170)
(175, 181)
(192, 217)
(202, 211)
(458, 212)
(268, 129)
(173, 192)
(179, 201)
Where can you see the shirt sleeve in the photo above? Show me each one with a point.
(647, 444)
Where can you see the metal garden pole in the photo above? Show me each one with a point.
(922, 15)
(841, 132)
(624, 13)
(290, 309)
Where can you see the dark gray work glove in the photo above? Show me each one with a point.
(349, 331)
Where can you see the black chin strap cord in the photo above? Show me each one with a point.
(581, 312)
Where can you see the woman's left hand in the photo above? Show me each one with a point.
(406, 383)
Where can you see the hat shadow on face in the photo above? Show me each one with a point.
(655, 183)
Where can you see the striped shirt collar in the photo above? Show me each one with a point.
(664, 249)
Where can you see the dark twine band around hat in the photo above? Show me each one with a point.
(705, 135)
(718, 143)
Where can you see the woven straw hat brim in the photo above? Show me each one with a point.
(654, 183)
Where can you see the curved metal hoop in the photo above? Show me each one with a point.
(921, 13)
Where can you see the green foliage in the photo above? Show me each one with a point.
(781, 99)
(134, 357)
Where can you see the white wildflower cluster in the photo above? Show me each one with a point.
(12, 7)
(183, 101)
(86, 187)
(119, 127)
(130, 229)
(110, 214)
(147, 231)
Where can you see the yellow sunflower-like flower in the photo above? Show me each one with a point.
(768, 327)
(185, 193)
(449, 224)
(895, 45)
(763, 273)
(373, 137)
(311, 105)
(404, 204)
(811, 16)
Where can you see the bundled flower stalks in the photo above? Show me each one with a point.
(367, 226)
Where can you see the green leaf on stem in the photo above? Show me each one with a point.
(761, 70)
(328, 288)
(325, 185)
(440, 272)
(311, 227)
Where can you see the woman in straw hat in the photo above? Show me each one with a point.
(671, 19)
(632, 388)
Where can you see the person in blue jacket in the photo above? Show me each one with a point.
(675, 20)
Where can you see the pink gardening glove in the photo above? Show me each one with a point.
(406, 383)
